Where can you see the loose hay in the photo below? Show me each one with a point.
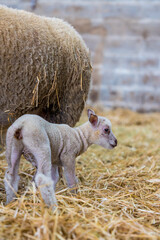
(119, 190)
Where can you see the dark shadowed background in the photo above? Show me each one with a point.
(123, 38)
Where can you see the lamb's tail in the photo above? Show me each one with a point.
(12, 133)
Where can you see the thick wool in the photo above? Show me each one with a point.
(44, 68)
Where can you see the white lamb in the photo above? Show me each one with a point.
(47, 146)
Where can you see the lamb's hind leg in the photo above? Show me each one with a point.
(43, 177)
(11, 179)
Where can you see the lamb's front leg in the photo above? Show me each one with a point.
(69, 173)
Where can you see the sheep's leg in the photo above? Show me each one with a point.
(11, 175)
(69, 173)
(43, 178)
(44, 182)
(38, 145)
(46, 187)
(55, 174)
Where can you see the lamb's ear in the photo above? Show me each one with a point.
(93, 118)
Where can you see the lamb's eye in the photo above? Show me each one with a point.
(106, 130)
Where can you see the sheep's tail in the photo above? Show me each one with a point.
(12, 133)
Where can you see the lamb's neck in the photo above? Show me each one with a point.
(84, 136)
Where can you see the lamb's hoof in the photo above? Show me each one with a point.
(77, 180)
(54, 207)
(7, 202)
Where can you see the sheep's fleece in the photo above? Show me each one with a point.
(44, 68)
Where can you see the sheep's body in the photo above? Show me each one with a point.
(51, 145)
(44, 68)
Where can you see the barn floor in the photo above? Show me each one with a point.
(119, 190)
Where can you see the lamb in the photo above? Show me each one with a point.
(44, 68)
(51, 145)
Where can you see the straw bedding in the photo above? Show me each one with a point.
(119, 190)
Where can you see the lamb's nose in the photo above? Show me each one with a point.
(116, 142)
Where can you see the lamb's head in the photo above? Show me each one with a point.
(101, 131)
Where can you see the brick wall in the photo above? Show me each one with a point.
(124, 39)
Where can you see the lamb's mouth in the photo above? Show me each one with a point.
(113, 145)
